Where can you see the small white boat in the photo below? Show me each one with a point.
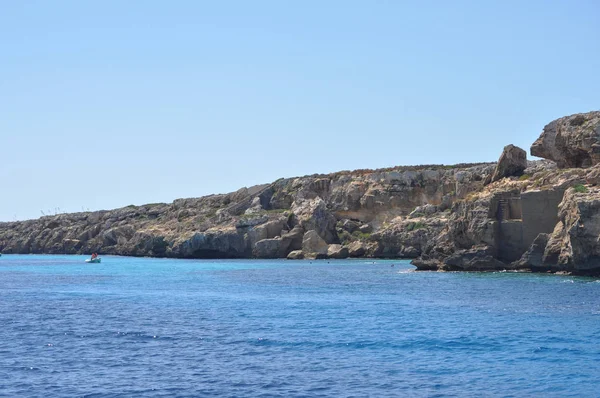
(93, 260)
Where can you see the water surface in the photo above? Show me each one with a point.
(250, 328)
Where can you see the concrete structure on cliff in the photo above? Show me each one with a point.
(519, 217)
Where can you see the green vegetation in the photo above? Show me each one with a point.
(362, 235)
(418, 214)
(345, 237)
(524, 177)
(580, 188)
(413, 226)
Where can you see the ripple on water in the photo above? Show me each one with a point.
(157, 327)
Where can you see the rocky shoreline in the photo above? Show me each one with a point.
(514, 214)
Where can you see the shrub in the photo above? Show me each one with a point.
(580, 188)
(524, 177)
(361, 235)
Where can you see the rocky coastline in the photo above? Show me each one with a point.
(514, 214)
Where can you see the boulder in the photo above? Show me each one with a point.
(314, 215)
(268, 248)
(357, 249)
(295, 255)
(512, 162)
(293, 240)
(313, 246)
(571, 141)
(337, 251)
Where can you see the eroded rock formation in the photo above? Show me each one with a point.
(571, 141)
(512, 162)
(514, 214)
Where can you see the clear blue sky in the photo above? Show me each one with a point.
(109, 103)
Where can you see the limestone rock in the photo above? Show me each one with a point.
(512, 162)
(574, 245)
(295, 255)
(593, 175)
(337, 251)
(314, 215)
(268, 248)
(533, 257)
(365, 229)
(271, 220)
(313, 246)
(475, 259)
(396, 239)
(349, 225)
(425, 210)
(292, 240)
(357, 249)
(410, 252)
(571, 141)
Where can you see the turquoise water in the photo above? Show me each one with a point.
(249, 328)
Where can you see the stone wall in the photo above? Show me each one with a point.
(521, 218)
(540, 212)
(510, 240)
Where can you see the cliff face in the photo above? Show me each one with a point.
(547, 220)
(514, 214)
(348, 213)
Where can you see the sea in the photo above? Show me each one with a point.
(146, 327)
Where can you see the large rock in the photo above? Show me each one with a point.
(474, 259)
(337, 251)
(314, 215)
(534, 256)
(292, 240)
(571, 141)
(574, 245)
(313, 246)
(295, 255)
(268, 248)
(357, 249)
(512, 162)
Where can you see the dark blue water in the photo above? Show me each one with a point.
(157, 327)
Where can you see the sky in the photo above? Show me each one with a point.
(109, 103)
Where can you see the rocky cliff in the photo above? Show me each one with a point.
(358, 213)
(545, 218)
(511, 214)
